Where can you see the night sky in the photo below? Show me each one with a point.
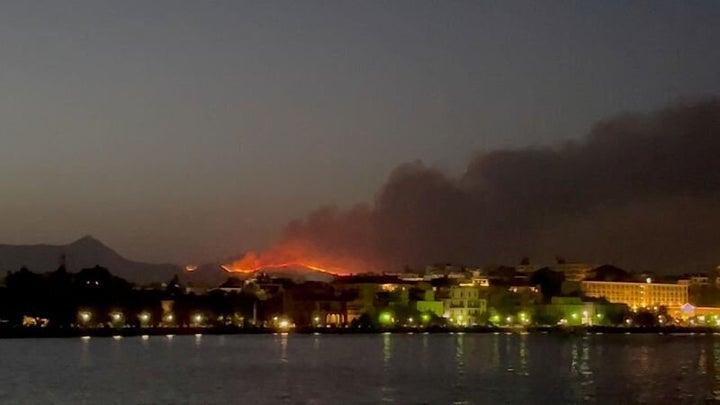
(189, 130)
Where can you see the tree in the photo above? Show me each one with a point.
(549, 281)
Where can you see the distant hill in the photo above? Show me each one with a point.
(212, 274)
(208, 274)
(299, 273)
(83, 253)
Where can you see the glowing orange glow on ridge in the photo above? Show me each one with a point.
(296, 255)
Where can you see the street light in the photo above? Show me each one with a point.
(524, 318)
(386, 318)
(116, 317)
(144, 318)
(85, 316)
(169, 318)
(198, 318)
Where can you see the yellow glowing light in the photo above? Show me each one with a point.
(386, 318)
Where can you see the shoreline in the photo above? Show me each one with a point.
(28, 333)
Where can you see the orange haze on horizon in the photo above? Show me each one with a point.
(298, 254)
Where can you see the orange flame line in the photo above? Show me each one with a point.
(280, 265)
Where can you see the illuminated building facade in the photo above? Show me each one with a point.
(463, 305)
(428, 304)
(637, 295)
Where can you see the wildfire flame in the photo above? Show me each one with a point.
(296, 255)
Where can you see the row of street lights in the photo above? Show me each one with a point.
(86, 317)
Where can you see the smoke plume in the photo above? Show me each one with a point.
(640, 191)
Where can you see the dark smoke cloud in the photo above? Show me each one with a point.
(641, 191)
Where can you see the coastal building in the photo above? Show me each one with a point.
(575, 311)
(317, 304)
(636, 294)
(429, 304)
(462, 305)
(695, 280)
(568, 311)
(700, 315)
(373, 293)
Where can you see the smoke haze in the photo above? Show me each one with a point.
(640, 191)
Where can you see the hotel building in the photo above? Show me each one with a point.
(637, 295)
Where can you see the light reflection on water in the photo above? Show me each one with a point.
(387, 390)
(363, 369)
(715, 371)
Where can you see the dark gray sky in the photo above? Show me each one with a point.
(187, 130)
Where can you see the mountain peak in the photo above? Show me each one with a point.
(89, 241)
(86, 252)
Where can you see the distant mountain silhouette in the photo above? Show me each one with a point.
(208, 274)
(213, 274)
(299, 273)
(83, 253)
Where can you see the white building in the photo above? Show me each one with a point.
(464, 304)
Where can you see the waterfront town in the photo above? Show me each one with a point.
(440, 297)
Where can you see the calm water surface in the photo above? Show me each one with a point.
(362, 369)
